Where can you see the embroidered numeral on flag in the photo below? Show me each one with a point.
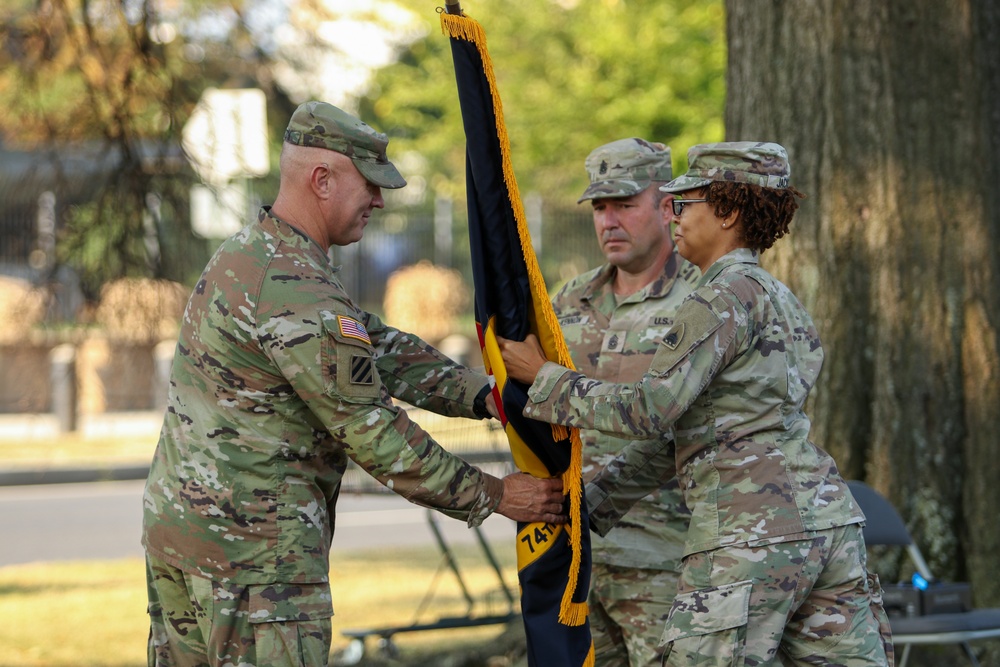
(361, 370)
(351, 328)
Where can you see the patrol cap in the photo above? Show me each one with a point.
(625, 167)
(756, 163)
(322, 125)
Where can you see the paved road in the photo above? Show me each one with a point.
(102, 520)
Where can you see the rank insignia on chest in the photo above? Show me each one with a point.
(361, 370)
(351, 328)
(614, 341)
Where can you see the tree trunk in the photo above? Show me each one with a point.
(890, 112)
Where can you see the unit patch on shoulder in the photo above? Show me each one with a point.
(361, 369)
(674, 336)
(351, 328)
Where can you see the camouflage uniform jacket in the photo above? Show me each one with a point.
(614, 340)
(277, 380)
(731, 377)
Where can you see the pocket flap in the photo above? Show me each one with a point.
(708, 610)
(695, 321)
(348, 360)
(272, 603)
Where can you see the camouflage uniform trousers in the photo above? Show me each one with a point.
(198, 622)
(803, 602)
(628, 607)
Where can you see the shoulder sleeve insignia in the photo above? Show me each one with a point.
(362, 371)
(674, 336)
(694, 323)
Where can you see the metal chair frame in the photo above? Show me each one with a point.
(885, 526)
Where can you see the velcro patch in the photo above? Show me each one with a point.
(351, 328)
(362, 370)
(695, 321)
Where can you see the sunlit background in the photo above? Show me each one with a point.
(135, 135)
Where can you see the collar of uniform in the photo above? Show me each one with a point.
(664, 282)
(601, 278)
(738, 256)
(292, 235)
(660, 286)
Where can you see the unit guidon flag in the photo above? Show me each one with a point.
(511, 301)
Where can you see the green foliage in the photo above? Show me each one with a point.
(572, 75)
(117, 80)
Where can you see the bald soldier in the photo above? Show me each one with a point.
(279, 379)
(613, 318)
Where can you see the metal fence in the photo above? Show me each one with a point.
(563, 239)
(400, 235)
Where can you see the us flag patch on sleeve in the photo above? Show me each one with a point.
(351, 328)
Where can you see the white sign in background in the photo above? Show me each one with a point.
(226, 141)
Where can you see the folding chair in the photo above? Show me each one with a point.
(886, 527)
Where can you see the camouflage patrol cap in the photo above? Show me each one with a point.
(625, 167)
(322, 125)
(763, 164)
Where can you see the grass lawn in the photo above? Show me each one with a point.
(93, 614)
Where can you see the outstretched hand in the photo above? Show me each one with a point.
(522, 360)
(529, 499)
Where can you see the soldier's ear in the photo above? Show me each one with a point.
(321, 180)
(666, 207)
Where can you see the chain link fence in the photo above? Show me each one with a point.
(403, 234)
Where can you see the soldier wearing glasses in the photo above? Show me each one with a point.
(774, 567)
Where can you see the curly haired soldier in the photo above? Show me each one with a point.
(774, 567)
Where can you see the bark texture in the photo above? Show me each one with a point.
(890, 111)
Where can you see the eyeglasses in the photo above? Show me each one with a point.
(679, 204)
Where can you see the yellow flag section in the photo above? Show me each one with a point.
(534, 539)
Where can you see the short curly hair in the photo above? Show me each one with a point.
(765, 213)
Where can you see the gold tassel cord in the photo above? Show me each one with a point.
(462, 27)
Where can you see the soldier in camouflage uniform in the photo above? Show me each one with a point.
(278, 380)
(613, 318)
(774, 570)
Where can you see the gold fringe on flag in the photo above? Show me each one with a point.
(462, 27)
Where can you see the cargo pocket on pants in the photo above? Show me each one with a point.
(291, 624)
(708, 627)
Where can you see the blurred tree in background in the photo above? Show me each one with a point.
(891, 115)
(119, 79)
(122, 77)
(572, 74)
